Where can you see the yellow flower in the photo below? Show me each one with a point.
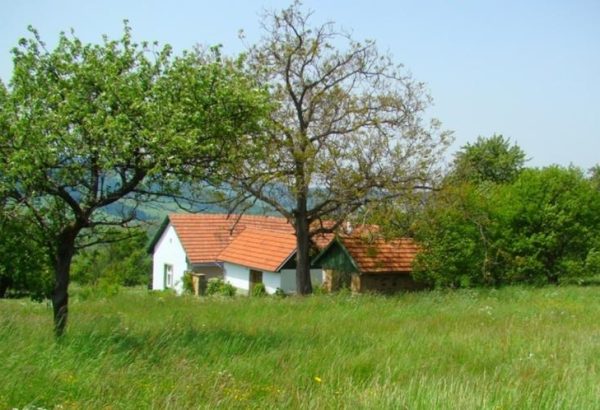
(318, 379)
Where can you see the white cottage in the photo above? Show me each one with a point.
(243, 250)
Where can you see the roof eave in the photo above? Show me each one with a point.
(161, 229)
(388, 272)
(258, 268)
(286, 260)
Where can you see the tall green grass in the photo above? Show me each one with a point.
(490, 349)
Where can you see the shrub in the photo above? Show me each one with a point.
(280, 293)
(188, 283)
(344, 292)
(592, 263)
(107, 288)
(539, 229)
(216, 286)
(103, 289)
(25, 268)
(122, 263)
(259, 290)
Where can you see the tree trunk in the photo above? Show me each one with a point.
(303, 283)
(62, 269)
(4, 284)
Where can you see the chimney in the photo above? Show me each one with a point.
(348, 227)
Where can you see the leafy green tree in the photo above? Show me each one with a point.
(491, 159)
(552, 225)
(347, 130)
(459, 224)
(595, 177)
(541, 228)
(457, 231)
(89, 131)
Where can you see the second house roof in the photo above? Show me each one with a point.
(260, 249)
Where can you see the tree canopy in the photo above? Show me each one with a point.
(491, 159)
(541, 228)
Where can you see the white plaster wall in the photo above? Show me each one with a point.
(238, 276)
(316, 276)
(168, 250)
(288, 279)
(272, 281)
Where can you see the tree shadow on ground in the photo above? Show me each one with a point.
(155, 346)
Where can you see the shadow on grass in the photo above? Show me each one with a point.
(209, 345)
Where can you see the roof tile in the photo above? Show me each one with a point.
(260, 249)
(376, 255)
(205, 236)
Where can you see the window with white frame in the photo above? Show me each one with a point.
(168, 277)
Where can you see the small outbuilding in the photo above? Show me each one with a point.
(368, 263)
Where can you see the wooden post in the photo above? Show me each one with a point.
(194, 283)
(202, 283)
(199, 283)
(327, 280)
(355, 283)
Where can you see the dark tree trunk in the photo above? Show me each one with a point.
(303, 283)
(62, 269)
(4, 285)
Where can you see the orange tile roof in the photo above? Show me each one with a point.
(377, 255)
(204, 236)
(260, 249)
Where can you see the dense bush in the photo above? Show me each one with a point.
(551, 225)
(259, 290)
(456, 231)
(124, 263)
(216, 286)
(25, 268)
(188, 283)
(280, 293)
(541, 228)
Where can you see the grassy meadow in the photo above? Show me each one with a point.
(489, 349)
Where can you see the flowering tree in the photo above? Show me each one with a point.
(86, 129)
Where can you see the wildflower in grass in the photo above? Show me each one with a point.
(318, 379)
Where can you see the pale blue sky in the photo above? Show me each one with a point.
(527, 69)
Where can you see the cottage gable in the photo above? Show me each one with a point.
(205, 236)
